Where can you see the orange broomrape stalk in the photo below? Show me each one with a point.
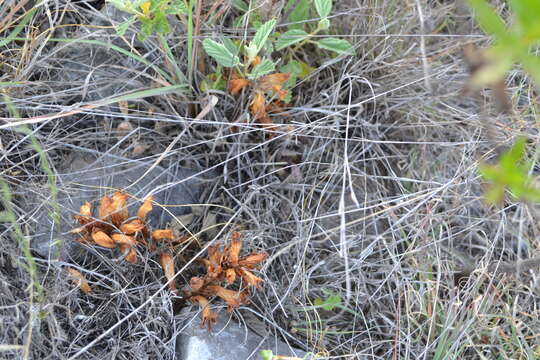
(209, 318)
(166, 234)
(112, 229)
(105, 208)
(237, 84)
(132, 227)
(103, 239)
(167, 263)
(225, 266)
(268, 84)
(145, 208)
(120, 211)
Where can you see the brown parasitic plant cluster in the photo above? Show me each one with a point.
(264, 90)
(112, 227)
(224, 267)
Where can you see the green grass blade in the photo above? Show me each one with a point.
(13, 35)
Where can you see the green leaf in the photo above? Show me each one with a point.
(297, 69)
(512, 173)
(266, 354)
(262, 34)
(330, 303)
(323, 7)
(122, 27)
(122, 5)
(527, 13)
(147, 28)
(531, 63)
(250, 51)
(300, 13)
(177, 7)
(514, 156)
(264, 67)
(324, 24)
(231, 46)
(161, 24)
(291, 37)
(220, 53)
(135, 4)
(306, 70)
(337, 45)
(294, 68)
(240, 5)
(488, 19)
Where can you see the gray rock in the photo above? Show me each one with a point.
(87, 178)
(228, 340)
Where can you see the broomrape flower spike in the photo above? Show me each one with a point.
(224, 266)
(112, 228)
(167, 263)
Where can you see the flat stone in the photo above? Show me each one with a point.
(88, 178)
(228, 340)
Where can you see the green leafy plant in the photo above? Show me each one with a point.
(512, 43)
(332, 301)
(266, 354)
(269, 80)
(152, 14)
(512, 174)
(269, 355)
(317, 321)
(227, 53)
(302, 31)
(251, 71)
